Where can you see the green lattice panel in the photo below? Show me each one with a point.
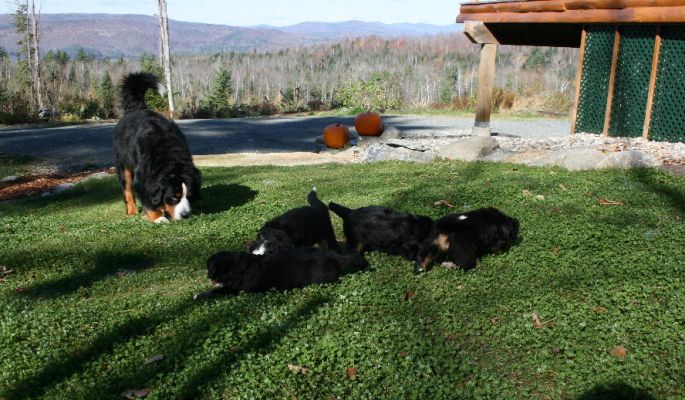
(668, 109)
(631, 84)
(594, 83)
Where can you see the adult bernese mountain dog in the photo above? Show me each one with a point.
(381, 228)
(299, 227)
(464, 238)
(153, 160)
(233, 272)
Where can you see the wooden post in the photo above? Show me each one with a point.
(166, 61)
(652, 84)
(486, 82)
(579, 78)
(612, 81)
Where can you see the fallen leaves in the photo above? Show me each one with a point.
(351, 372)
(409, 294)
(154, 359)
(5, 271)
(443, 203)
(600, 309)
(527, 192)
(538, 324)
(536, 321)
(605, 202)
(619, 351)
(298, 369)
(132, 394)
(562, 186)
(124, 272)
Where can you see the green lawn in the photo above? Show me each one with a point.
(15, 165)
(598, 276)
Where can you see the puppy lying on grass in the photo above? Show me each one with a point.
(233, 272)
(464, 238)
(299, 227)
(380, 228)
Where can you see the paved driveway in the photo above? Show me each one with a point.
(92, 143)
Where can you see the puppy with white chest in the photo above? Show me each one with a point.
(381, 228)
(465, 238)
(299, 227)
(233, 272)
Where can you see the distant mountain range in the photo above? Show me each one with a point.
(110, 35)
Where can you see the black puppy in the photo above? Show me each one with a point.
(299, 227)
(464, 238)
(380, 228)
(232, 272)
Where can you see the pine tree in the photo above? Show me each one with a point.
(221, 90)
(106, 96)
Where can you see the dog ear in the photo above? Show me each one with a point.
(193, 179)
(154, 193)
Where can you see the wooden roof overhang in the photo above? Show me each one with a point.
(559, 22)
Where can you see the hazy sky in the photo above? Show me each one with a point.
(271, 12)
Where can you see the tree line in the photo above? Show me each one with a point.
(363, 73)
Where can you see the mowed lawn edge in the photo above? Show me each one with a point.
(589, 303)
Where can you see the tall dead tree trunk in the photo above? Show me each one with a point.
(166, 61)
(35, 65)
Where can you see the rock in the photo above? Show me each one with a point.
(585, 158)
(573, 159)
(383, 152)
(469, 149)
(58, 189)
(10, 179)
(628, 159)
(95, 176)
(390, 133)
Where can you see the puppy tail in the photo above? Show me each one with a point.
(342, 212)
(133, 88)
(314, 201)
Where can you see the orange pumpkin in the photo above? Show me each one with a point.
(336, 136)
(369, 124)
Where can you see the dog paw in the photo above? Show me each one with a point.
(161, 220)
(203, 295)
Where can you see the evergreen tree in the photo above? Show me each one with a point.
(106, 94)
(219, 97)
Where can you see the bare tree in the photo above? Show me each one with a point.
(35, 65)
(166, 62)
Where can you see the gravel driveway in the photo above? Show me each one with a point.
(92, 143)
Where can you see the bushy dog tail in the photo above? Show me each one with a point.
(314, 201)
(133, 88)
(342, 212)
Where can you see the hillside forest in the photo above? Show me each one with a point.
(389, 75)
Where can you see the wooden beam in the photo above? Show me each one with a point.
(579, 77)
(477, 32)
(652, 83)
(486, 82)
(536, 6)
(612, 81)
(657, 15)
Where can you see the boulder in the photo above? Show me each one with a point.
(470, 148)
(389, 133)
(585, 158)
(384, 152)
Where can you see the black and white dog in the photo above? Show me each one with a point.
(383, 229)
(299, 227)
(153, 159)
(233, 272)
(464, 238)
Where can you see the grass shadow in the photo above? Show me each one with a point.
(673, 195)
(615, 391)
(57, 371)
(262, 341)
(105, 264)
(219, 198)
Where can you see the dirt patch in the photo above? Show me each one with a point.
(31, 185)
(280, 159)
